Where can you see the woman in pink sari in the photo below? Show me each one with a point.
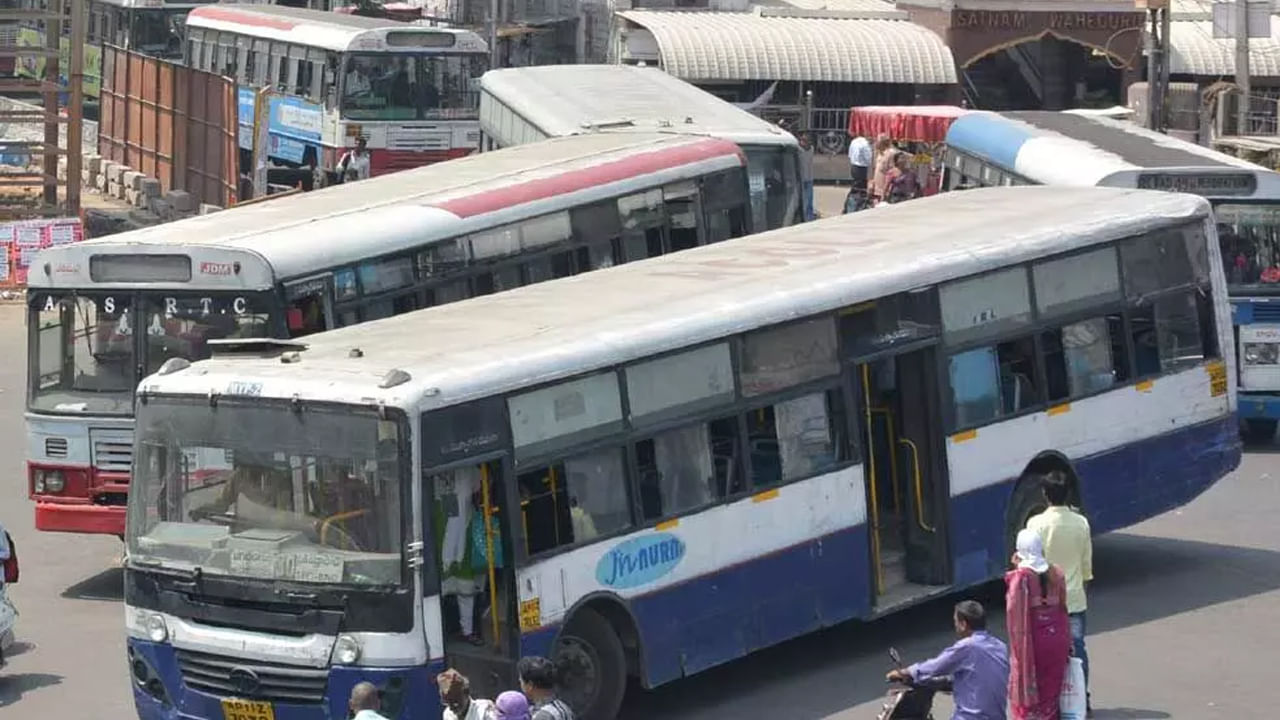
(1039, 634)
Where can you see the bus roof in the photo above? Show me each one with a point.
(333, 31)
(545, 332)
(571, 99)
(413, 207)
(1063, 148)
(155, 4)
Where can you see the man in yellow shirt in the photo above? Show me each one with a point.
(1068, 544)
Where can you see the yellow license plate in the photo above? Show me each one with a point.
(233, 709)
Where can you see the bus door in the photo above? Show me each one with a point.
(893, 358)
(309, 305)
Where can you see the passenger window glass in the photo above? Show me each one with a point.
(568, 413)
(985, 306)
(594, 222)
(1090, 354)
(688, 467)
(725, 224)
(781, 357)
(1178, 330)
(562, 265)
(597, 256)
(679, 384)
(537, 270)
(1155, 262)
(1146, 351)
(1070, 284)
(796, 438)
(443, 258)
(682, 209)
(496, 243)
(975, 386)
(344, 284)
(891, 321)
(450, 292)
(544, 231)
(1017, 375)
(386, 275)
(576, 500)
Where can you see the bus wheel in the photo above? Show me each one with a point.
(1260, 430)
(593, 667)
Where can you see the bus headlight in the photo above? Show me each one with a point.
(1261, 353)
(54, 481)
(156, 628)
(346, 651)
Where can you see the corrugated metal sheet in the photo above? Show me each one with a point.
(747, 46)
(1196, 52)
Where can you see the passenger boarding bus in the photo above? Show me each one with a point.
(106, 312)
(520, 105)
(657, 468)
(408, 89)
(1071, 149)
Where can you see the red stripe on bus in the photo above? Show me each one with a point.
(243, 18)
(575, 180)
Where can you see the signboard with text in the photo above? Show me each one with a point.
(21, 240)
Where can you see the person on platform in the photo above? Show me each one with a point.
(1039, 635)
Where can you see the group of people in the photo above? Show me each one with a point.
(1045, 607)
(536, 699)
(881, 173)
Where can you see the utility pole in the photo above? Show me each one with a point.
(1242, 65)
(1153, 70)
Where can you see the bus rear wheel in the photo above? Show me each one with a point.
(1260, 430)
(593, 667)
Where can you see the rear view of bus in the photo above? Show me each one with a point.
(1053, 148)
(521, 105)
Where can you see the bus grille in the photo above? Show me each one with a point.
(277, 682)
(1266, 312)
(112, 451)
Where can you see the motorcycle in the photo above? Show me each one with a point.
(911, 700)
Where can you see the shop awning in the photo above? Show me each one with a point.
(702, 45)
(924, 123)
(1196, 52)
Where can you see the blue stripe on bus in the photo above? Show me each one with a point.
(723, 615)
(990, 137)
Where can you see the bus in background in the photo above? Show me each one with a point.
(105, 313)
(656, 469)
(408, 90)
(520, 105)
(1051, 148)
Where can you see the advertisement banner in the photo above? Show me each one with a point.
(22, 240)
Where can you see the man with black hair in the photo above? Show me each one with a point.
(978, 664)
(1068, 544)
(538, 683)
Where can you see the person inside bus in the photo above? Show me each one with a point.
(257, 493)
(354, 165)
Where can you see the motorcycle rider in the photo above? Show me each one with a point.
(978, 664)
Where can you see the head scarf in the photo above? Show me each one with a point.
(512, 706)
(1031, 551)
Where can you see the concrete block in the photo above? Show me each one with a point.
(150, 187)
(161, 208)
(181, 200)
(132, 179)
(92, 164)
(115, 173)
(137, 199)
(206, 208)
(115, 190)
(100, 182)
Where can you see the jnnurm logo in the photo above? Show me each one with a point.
(640, 561)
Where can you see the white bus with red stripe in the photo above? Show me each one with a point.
(408, 89)
(106, 313)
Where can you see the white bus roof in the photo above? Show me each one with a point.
(545, 332)
(333, 31)
(301, 234)
(155, 4)
(571, 99)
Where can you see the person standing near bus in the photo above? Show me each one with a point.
(883, 160)
(859, 162)
(354, 165)
(806, 175)
(538, 683)
(1068, 543)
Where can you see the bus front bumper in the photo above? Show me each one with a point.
(79, 515)
(1259, 406)
(159, 692)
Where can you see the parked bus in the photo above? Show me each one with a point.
(105, 313)
(520, 105)
(1071, 149)
(409, 90)
(658, 468)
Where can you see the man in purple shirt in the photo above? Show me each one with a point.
(978, 664)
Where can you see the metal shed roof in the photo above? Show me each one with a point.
(1196, 52)
(699, 45)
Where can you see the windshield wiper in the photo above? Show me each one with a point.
(192, 575)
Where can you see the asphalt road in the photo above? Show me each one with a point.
(1185, 615)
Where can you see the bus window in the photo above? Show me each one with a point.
(574, 500)
(688, 467)
(681, 202)
(382, 87)
(643, 219)
(725, 200)
(305, 80)
(795, 438)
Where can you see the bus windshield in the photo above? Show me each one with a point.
(1250, 239)
(85, 350)
(267, 491)
(411, 87)
(158, 32)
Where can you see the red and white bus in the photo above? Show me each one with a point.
(408, 89)
(106, 313)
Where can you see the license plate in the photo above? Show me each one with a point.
(233, 709)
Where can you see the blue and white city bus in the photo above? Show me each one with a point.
(656, 468)
(1068, 148)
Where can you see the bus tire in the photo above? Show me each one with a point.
(592, 666)
(1260, 430)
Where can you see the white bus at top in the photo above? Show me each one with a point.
(105, 313)
(660, 467)
(408, 89)
(520, 105)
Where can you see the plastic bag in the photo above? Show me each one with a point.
(1074, 700)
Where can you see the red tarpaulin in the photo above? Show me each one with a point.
(904, 123)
